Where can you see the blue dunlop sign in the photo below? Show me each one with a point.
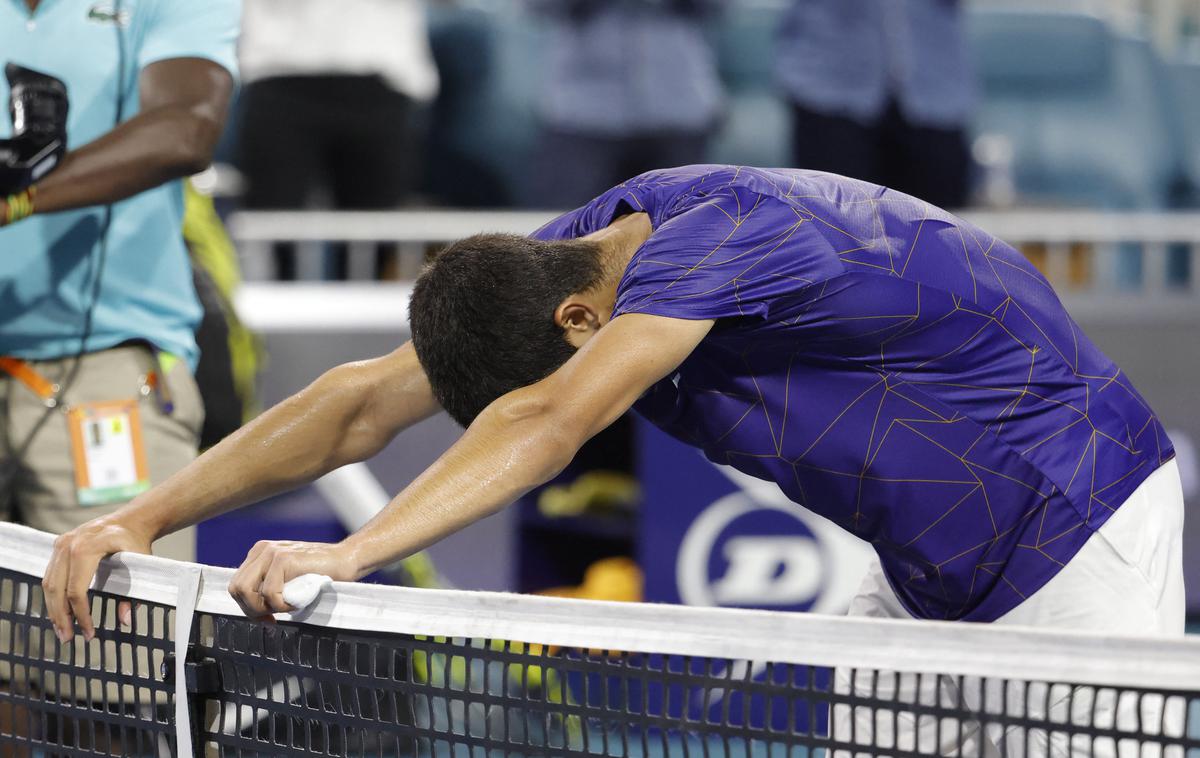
(710, 535)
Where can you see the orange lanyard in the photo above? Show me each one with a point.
(37, 384)
(48, 390)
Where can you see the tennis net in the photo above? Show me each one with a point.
(384, 671)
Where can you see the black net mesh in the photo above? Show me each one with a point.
(105, 697)
(289, 689)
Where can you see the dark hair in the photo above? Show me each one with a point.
(482, 315)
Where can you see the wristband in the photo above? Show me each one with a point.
(18, 206)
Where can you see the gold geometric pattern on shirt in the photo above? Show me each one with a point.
(730, 211)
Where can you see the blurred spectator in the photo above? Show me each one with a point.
(631, 86)
(881, 91)
(331, 103)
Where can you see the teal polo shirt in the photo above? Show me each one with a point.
(48, 262)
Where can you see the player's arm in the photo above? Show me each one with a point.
(184, 102)
(519, 441)
(346, 415)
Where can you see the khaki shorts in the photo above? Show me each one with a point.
(42, 494)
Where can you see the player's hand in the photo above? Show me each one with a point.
(72, 566)
(258, 584)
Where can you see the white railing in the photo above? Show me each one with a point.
(1084, 253)
(255, 232)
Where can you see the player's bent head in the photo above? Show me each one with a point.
(482, 315)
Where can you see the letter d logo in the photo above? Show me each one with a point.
(756, 549)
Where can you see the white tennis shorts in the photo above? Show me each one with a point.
(1126, 579)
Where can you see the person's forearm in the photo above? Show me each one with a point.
(515, 445)
(154, 147)
(334, 421)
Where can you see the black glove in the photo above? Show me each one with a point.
(38, 108)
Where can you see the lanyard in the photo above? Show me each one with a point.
(48, 390)
(35, 382)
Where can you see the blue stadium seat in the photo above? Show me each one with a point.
(744, 42)
(754, 131)
(1084, 107)
(483, 128)
(512, 125)
(756, 127)
(1185, 91)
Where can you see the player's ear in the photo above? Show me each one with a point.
(577, 317)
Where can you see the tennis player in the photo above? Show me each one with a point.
(892, 367)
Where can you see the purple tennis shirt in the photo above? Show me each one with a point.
(891, 367)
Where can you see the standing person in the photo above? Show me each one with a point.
(631, 85)
(881, 90)
(330, 106)
(97, 307)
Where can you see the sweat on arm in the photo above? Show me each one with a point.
(519, 441)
